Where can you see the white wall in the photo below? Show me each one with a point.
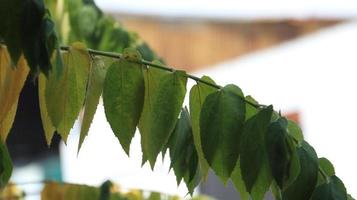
(234, 9)
(315, 75)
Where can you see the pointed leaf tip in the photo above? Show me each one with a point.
(221, 125)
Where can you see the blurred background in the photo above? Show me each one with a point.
(298, 55)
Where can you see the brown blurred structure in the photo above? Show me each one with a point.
(192, 45)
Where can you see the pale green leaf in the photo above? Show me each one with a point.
(198, 94)
(237, 180)
(164, 95)
(97, 74)
(65, 93)
(221, 123)
(123, 98)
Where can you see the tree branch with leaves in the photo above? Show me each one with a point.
(223, 130)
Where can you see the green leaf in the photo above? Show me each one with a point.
(97, 74)
(184, 158)
(277, 150)
(263, 181)
(179, 144)
(334, 190)
(294, 165)
(349, 197)
(304, 184)
(164, 95)
(252, 146)
(146, 52)
(250, 110)
(238, 182)
(47, 125)
(326, 166)
(5, 165)
(193, 178)
(65, 93)
(198, 94)
(295, 131)
(38, 37)
(10, 29)
(221, 123)
(276, 191)
(281, 153)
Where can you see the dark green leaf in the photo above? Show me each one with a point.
(123, 97)
(294, 165)
(164, 95)
(5, 165)
(277, 149)
(221, 123)
(349, 197)
(334, 190)
(146, 52)
(179, 143)
(263, 181)
(184, 159)
(198, 94)
(252, 148)
(281, 153)
(192, 183)
(97, 74)
(304, 184)
(10, 26)
(38, 37)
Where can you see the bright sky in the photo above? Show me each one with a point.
(234, 9)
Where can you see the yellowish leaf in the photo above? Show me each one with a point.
(6, 123)
(48, 128)
(12, 80)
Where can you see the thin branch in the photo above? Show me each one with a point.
(159, 66)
